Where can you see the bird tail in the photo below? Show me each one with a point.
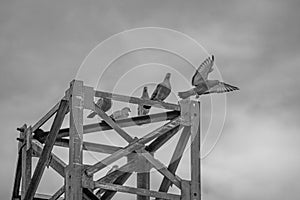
(186, 94)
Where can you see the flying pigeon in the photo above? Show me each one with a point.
(210, 86)
(203, 70)
(104, 103)
(121, 114)
(161, 91)
(141, 109)
(100, 191)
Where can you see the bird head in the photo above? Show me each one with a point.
(145, 89)
(168, 76)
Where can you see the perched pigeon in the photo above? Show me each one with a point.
(203, 70)
(210, 86)
(121, 114)
(101, 191)
(161, 91)
(141, 109)
(104, 103)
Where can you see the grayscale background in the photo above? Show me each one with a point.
(256, 44)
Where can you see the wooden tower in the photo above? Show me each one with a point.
(140, 152)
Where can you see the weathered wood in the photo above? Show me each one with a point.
(45, 118)
(195, 152)
(119, 181)
(109, 178)
(161, 140)
(135, 100)
(38, 197)
(88, 194)
(139, 191)
(113, 124)
(89, 146)
(40, 167)
(139, 120)
(131, 147)
(26, 162)
(176, 157)
(161, 168)
(18, 173)
(143, 176)
(185, 190)
(73, 177)
(58, 193)
(55, 162)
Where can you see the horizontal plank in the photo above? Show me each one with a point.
(135, 100)
(133, 146)
(139, 191)
(138, 120)
(38, 197)
(89, 146)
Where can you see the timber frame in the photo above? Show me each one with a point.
(79, 181)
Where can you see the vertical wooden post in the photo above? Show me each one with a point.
(195, 151)
(143, 176)
(26, 161)
(73, 179)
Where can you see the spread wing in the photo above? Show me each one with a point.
(222, 87)
(203, 70)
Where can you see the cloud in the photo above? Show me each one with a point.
(43, 43)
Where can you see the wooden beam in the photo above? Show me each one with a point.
(109, 178)
(26, 161)
(139, 120)
(195, 152)
(55, 162)
(113, 124)
(161, 168)
(73, 177)
(18, 173)
(119, 181)
(40, 167)
(139, 191)
(135, 100)
(176, 157)
(161, 140)
(58, 193)
(88, 194)
(46, 117)
(133, 146)
(143, 176)
(89, 146)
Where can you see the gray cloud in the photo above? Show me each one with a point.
(43, 43)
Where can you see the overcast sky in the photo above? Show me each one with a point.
(256, 44)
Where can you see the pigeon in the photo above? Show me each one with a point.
(203, 70)
(101, 191)
(210, 86)
(161, 91)
(121, 114)
(141, 109)
(104, 103)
